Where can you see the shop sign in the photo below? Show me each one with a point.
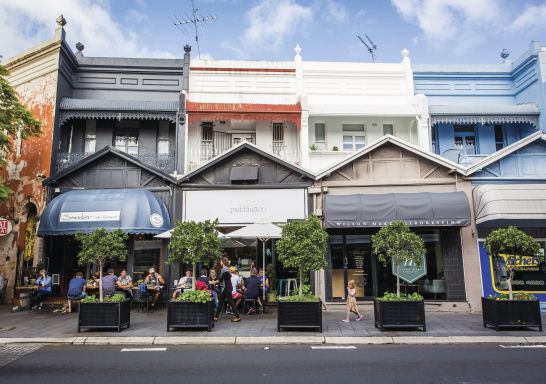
(410, 272)
(85, 217)
(521, 263)
(5, 227)
(156, 220)
(384, 223)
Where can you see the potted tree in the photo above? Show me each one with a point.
(98, 247)
(193, 242)
(302, 246)
(513, 248)
(399, 245)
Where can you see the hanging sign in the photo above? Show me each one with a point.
(410, 272)
(5, 227)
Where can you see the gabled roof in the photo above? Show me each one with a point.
(399, 143)
(505, 152)
(241, 147)
(101, 153)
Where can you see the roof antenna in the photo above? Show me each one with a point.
(194, 20)
(370, 45)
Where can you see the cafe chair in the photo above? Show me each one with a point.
(252, 304)
(142, 299)
(438, 287)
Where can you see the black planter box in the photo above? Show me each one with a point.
(511, 313)
(299, 314)
(399, 314)
(105, 315)
(182, 314)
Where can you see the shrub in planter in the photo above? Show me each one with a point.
(303, 245)
(522, 311)
(113, 312)
(397, 244)
(192, 309)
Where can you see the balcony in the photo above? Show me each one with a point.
(163, 162)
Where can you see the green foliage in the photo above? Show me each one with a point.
(298, 298)
(313, 147)
(193, 242)
(303, 246)
(115, 298)
(14, 117)
(398, 244)
(90, 299)
(512, 242)
(194, 297)
(403, 297)
(524, 296)
(271, 274)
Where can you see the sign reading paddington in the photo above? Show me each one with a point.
(85, 217)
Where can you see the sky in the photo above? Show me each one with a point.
(434, 31)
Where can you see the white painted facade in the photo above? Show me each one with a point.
(377, 98)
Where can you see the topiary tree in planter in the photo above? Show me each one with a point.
(100, 246)
(193, 242)
(303, 245)
(508, 244)
(398, 244)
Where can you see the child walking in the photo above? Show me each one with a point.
(350, 306)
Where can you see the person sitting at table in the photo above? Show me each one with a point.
(204, 276)
(264, 281)
(44, 289)
(109, 283)
(252, 289)
(76, 289)
(124, 283)
(183, 283)
(214, 287)
(154, 280)
(237, 284)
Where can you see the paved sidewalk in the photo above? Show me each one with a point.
(46, 324)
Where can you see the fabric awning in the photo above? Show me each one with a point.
(522, 205)
(377, 210)
(484, 113)
(133, 210)
(117, 109)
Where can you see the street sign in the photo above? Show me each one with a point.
(411, 272)
(5, 227)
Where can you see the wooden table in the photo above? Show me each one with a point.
(23, 294)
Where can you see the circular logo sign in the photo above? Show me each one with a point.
(156, 220)
(5, 227)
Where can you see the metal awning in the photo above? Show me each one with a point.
(423, 209)
(523, 205)
(117, 109)
(484, 113)
(133, 210)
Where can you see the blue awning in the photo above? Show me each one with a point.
(133, 210)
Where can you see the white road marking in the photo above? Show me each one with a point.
(143, 349)
(333, 347)
(524, 346)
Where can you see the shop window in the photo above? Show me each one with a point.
(146, 255)
(163, 138)
(499, 137)
(126, 140)
(353, 137)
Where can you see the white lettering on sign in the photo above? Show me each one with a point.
(5, 227)
(84, 217)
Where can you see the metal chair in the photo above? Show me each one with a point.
(142, 299)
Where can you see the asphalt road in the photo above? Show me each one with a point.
(278, 364)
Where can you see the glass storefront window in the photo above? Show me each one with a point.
(146, 255)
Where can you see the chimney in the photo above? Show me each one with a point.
(186, 69)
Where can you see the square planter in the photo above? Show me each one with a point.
(511, 313)
(182, 314)
(299, 314)
(105, 315)
(399, 314)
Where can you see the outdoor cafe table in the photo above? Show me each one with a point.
(23, 294)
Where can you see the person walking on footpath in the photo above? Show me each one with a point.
(227, 288)
(351, 306)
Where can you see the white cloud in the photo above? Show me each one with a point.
(533, 17)
(272, 21)
(415, 40)
(335, 11)
(28, 23)
(461, 23)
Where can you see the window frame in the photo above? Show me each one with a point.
(353, 134)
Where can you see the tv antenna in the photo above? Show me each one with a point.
(370, 45)
(192, 21)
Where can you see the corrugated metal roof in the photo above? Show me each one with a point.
(117, 105)
(484, 109)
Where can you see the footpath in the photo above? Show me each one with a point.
(150, 329)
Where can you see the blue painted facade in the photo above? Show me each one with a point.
(494, 85)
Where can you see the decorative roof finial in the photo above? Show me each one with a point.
(187, 48)
(404, 53)
(80, 46)
(61, 21)
(297, 49)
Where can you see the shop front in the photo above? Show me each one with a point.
(246, 186)
(107, 191)
(388, 181)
